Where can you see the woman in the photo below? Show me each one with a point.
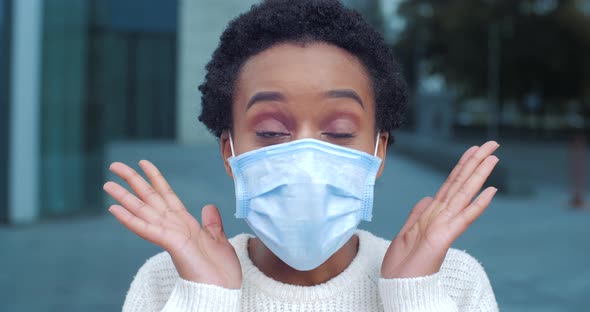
(304, 96)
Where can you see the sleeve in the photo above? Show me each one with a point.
(190, 296)
(460, 286)
(420, 294)
(158, 287)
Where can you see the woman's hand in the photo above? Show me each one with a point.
(434, 224)
(200, 254)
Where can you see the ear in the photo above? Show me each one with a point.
(382, 150)
(225, 151)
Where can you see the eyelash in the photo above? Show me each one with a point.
(272, 134)
(339, 135)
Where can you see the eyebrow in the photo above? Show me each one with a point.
(345, 93)
(266, 96)
(272, 96)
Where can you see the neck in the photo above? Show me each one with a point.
(273, 267)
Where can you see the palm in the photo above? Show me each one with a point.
(200, 253)
(434, 224)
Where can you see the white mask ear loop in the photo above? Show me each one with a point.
(376, 144)
(231, 145)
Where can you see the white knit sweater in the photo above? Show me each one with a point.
(460, 285)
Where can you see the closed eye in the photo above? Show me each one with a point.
(338, 135)
(271, 134)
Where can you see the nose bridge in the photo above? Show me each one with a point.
(306, 129)
(307, 108)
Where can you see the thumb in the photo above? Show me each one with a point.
(211, 222)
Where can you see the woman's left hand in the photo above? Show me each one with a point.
(434, 224)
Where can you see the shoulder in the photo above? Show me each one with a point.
(158, 267)
(152, 285)
(461, 269)
(457, 263)
(374, 245)
(161, 268)
(240, 242)
(466, 281)
(462, 276)
(156, 278)
(372, 249)
(158, 271)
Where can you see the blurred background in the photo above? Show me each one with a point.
(87, 82)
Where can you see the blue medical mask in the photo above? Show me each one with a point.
(304, 199)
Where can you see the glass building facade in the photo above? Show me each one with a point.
(108, 73)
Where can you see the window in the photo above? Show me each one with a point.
(109, 70)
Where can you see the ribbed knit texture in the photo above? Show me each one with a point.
(460, 285)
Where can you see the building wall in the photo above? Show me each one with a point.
(23, 158)
(4, 104)
(200, 26)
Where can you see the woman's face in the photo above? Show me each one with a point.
(290, 92)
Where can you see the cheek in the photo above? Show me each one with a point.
(243, 143)
(370, 143)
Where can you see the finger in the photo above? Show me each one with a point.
(469, 189)
(473, 211)
(133, 204)
(470, 166)
(441, 195)
(139, 186)
(415, 214)
(453, 175)
(161, 185)
(211, 220)
(138, 226)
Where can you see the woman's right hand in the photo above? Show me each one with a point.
(201, 254)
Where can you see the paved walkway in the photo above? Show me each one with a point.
(535, 251)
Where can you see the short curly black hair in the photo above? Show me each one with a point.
(301, 21)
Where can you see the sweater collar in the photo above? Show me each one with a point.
(366, 264)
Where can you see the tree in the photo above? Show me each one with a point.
(543, 45)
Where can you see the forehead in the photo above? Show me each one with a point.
(304, 68)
